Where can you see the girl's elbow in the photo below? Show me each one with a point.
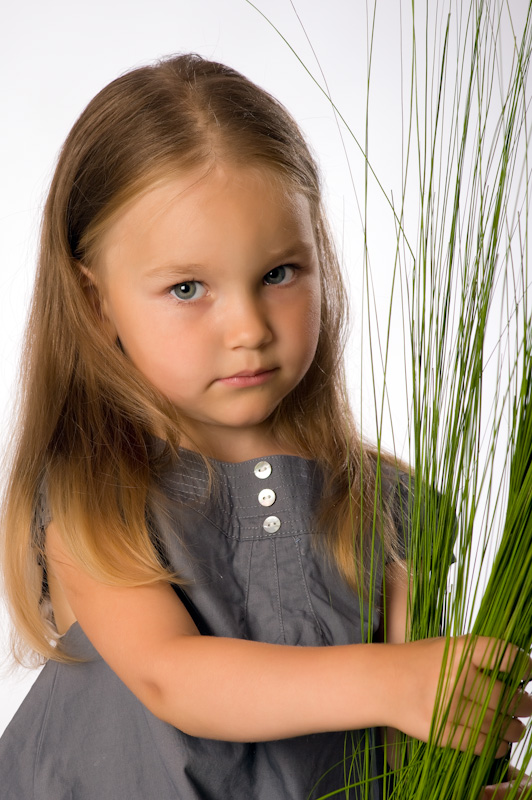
(187, 723)
(153, 696)
(188, 715)
(159, 685)
(156, 699)
(170, 705)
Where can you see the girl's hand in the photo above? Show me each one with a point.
(466, 690)
(499, 792)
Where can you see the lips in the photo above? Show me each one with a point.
(247, 373)
(249, 377)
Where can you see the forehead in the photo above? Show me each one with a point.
(209, 204)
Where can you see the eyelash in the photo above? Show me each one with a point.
(292, 267)
(180, 285)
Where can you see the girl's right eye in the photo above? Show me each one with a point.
(188, 290)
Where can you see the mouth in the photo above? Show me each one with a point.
(249, 377)
(248, 373)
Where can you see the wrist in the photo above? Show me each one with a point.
(404, 689)
(382, 677)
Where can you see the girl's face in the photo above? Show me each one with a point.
(211, 283)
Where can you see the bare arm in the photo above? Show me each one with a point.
(241, 690)
(397, 586)
(217, 687)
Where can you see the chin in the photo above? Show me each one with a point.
(247, 420)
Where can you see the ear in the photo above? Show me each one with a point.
(95, 295)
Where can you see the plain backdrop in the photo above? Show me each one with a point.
(56, 55)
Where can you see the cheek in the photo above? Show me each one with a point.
(304, 327)
(171, 354)
(313, 317)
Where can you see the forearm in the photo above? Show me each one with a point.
(239, 690)
(243, 691)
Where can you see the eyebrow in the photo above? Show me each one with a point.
(295, 249)
(171, 269)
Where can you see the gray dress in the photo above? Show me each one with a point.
(245, 548)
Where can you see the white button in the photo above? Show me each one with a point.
(267, 497)
(271, 524)
(263, 470)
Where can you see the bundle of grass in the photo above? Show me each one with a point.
(461, 284)
(470, 277)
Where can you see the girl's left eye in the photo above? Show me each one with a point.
(188, 290)
(279, 275)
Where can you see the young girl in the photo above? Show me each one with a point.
(189, 531)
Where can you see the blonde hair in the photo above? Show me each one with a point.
(87, 417)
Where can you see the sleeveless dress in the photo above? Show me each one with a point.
(245, 550)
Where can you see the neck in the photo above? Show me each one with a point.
(236, 446)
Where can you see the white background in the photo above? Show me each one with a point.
(56, 55)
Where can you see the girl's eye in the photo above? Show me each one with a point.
(188, 290)
(279, 275)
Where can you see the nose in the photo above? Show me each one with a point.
(246, 324)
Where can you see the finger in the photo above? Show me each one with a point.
(495, 792)
(462, 738)
(520, 705)
(501, 791)
(496, 654)
(483, 696)
(513, 730)
(515, 775)
(518, 777)
(527, 669)
(472, 710)
(468, 714)
(490, 654)
(509, 729)
(478, 687)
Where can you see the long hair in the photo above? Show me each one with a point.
(87, 416)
